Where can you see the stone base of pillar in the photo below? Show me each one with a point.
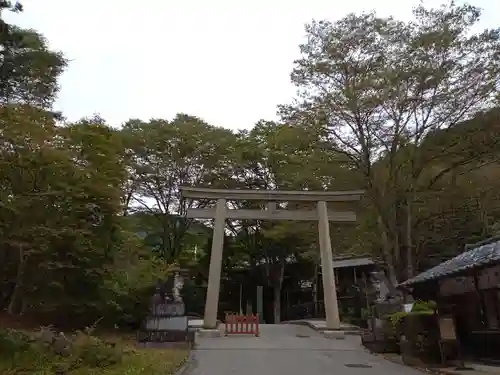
(337, 335)
(209, 333)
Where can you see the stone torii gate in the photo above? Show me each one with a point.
(220, 213)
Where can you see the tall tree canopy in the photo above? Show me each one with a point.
(376, 87)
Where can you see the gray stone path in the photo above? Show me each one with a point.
(286, 349)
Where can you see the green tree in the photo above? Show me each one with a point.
(60, 200)
(28, 69)
(165, 155)
(376, 87)
(279, 156)
(26, 161)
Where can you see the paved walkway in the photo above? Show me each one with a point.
(320, 324)
(286, 349)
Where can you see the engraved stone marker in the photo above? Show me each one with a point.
(167, 323)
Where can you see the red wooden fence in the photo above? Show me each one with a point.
(242, 324)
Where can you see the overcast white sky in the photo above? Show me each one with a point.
(225, 61)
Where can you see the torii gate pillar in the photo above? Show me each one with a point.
(327, 273)
(212, 301)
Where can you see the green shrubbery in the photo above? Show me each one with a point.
(47, 352)
(419, 308)
(12, 341)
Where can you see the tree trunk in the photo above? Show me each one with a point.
(387, 250)
(409, 241)
(315, 288)
(277, 292)
(16, 299)
(277, 303)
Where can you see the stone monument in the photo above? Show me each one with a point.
(386, 291)
(167, 323)
(382, 336)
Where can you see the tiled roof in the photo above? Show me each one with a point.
(477, 257)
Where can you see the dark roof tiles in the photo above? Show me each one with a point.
(477, 257)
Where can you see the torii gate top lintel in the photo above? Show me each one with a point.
(271, 195)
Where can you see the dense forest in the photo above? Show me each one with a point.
(90, 212)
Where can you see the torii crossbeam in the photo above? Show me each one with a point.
(220, 213)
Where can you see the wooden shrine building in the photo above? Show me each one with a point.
(468, 286)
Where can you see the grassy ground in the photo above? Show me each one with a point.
(144, 361)
(90, 355)
(141, 362)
